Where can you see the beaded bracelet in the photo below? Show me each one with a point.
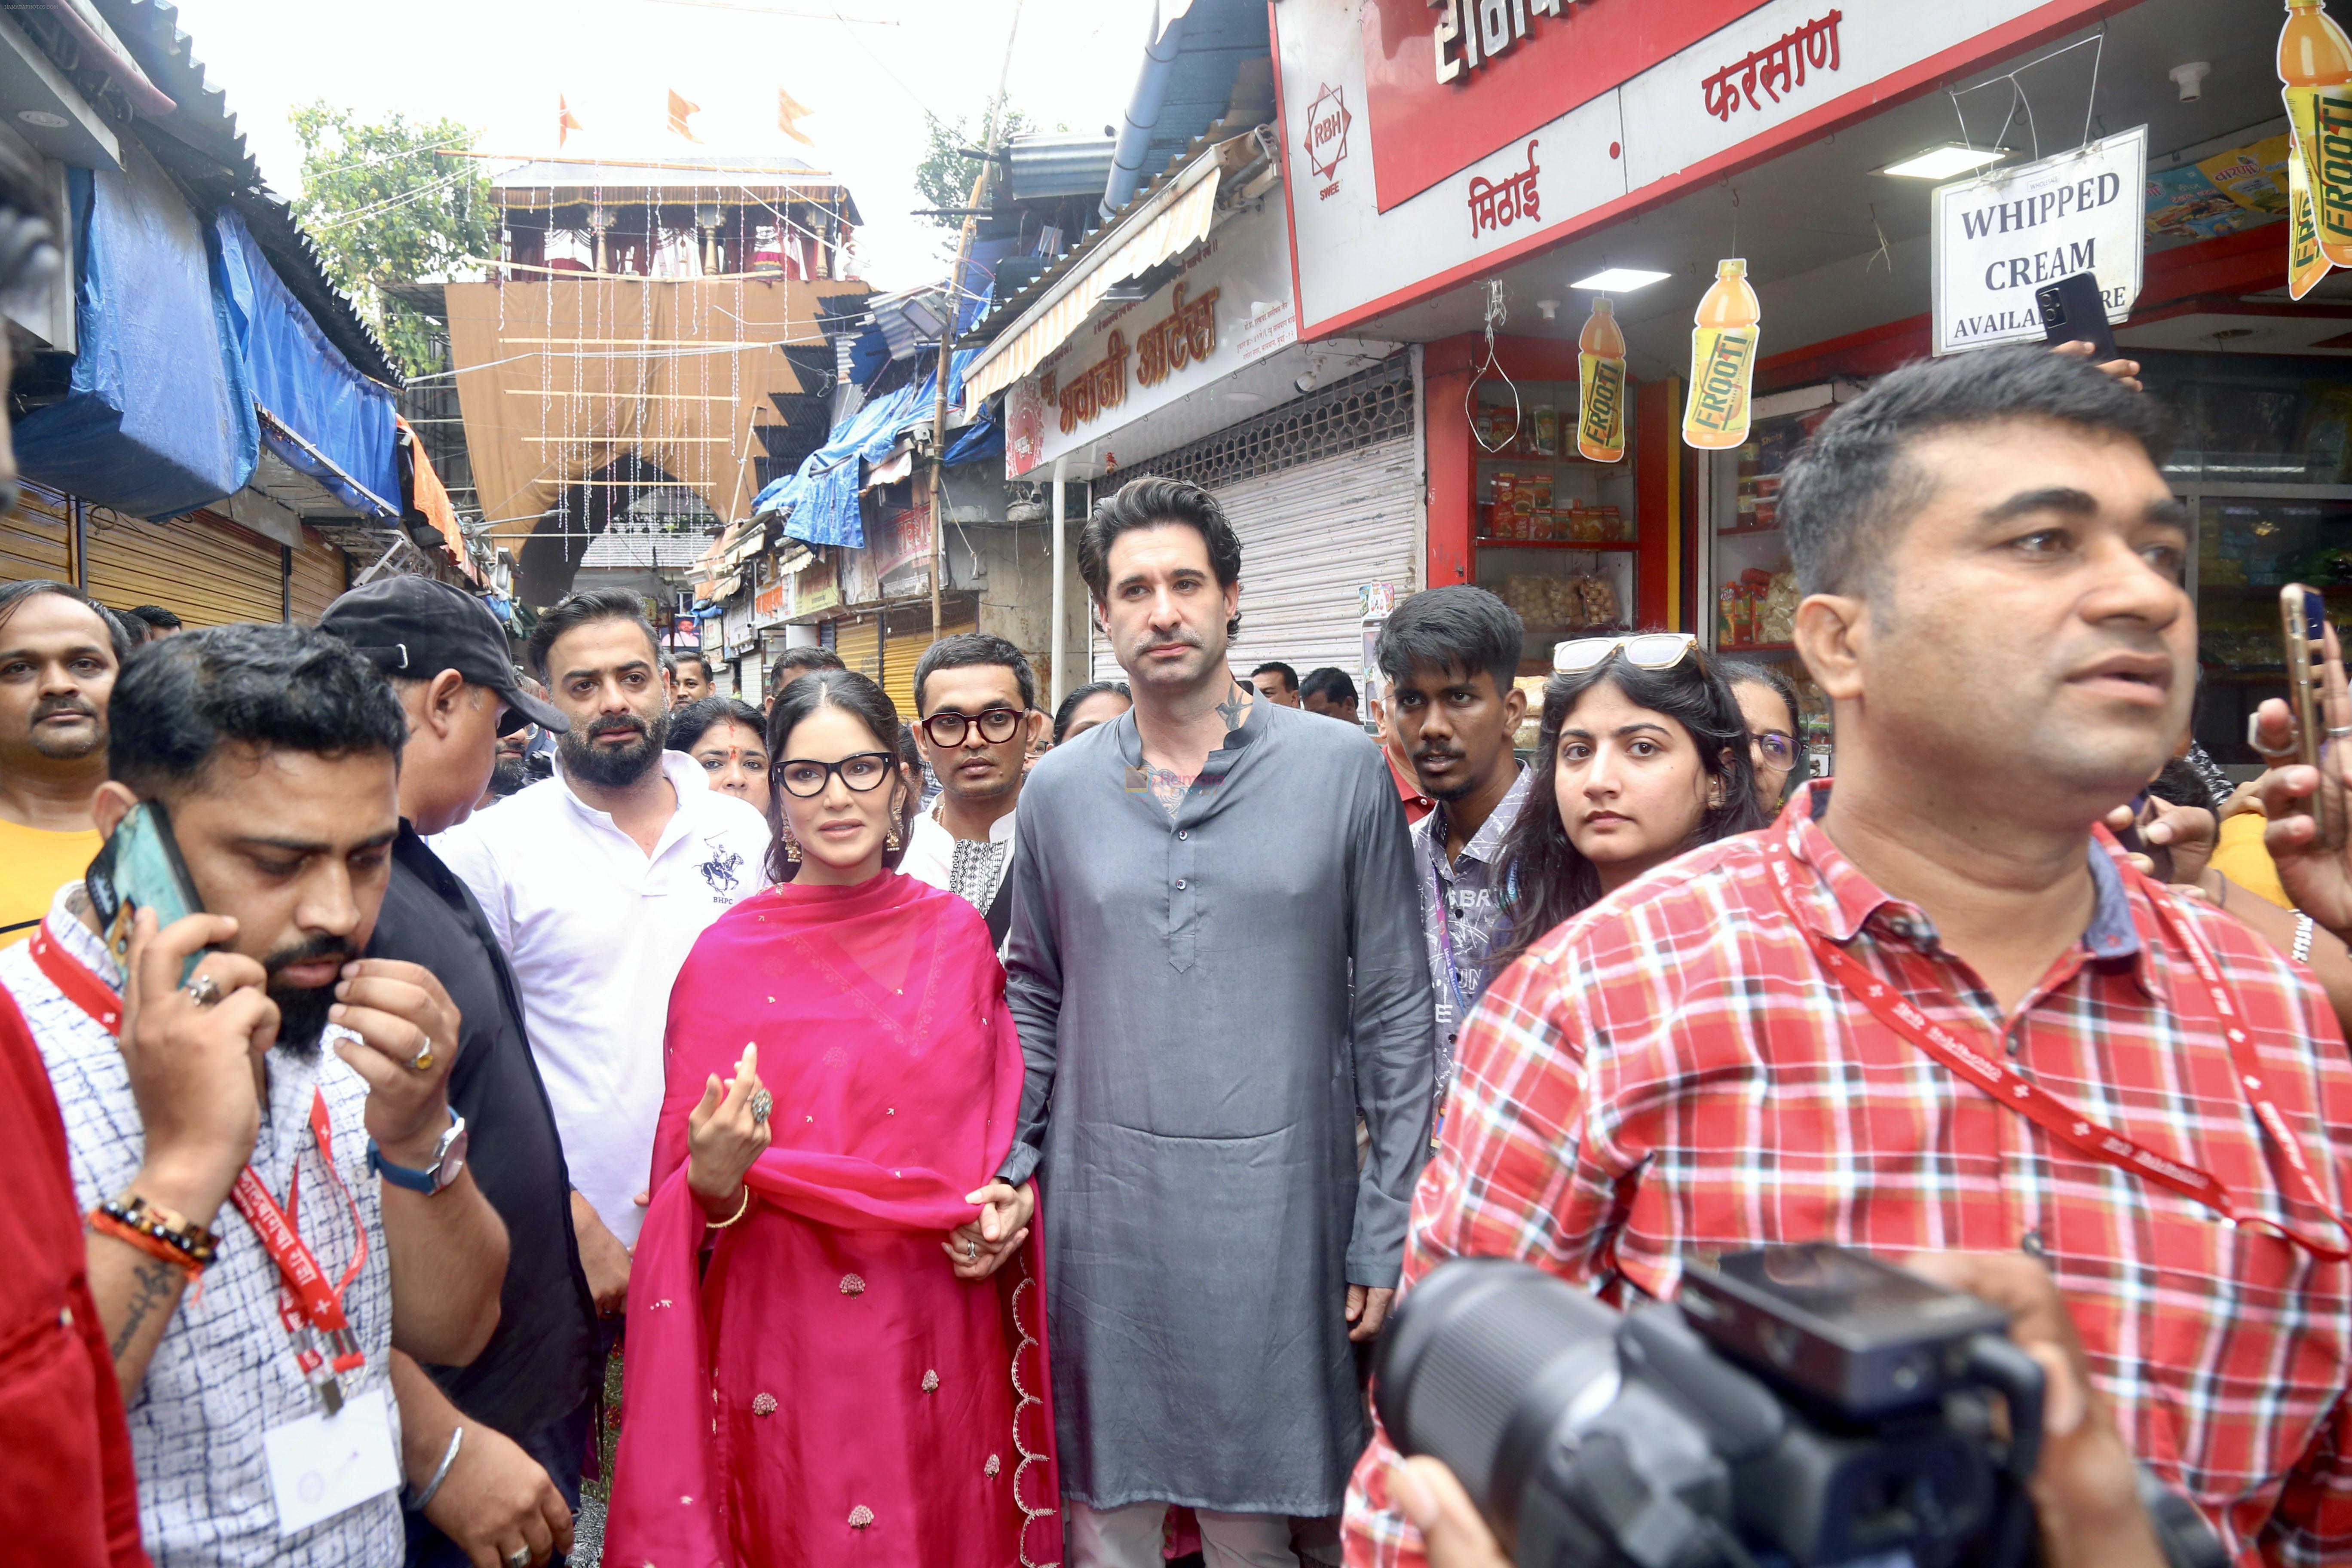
(105, 1224)
(193, 1244)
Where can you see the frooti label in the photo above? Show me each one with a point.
(1723, 359)
(1601, 406)
(2306, 264)
(2332, 161)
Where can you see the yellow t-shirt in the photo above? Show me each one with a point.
(2240, 855)
(34, 863)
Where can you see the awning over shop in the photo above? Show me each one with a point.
(1168, 223)
(320, 414)
(822, 498)
(159, 418)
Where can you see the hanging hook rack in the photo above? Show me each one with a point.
(1498, 312)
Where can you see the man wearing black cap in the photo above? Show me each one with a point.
(492, 1450)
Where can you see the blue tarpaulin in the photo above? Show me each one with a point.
(820, 501)
(340, 422)
(159, 418)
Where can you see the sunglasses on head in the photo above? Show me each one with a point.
(1642, 650)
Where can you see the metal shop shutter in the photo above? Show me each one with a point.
(36, 543)
(859, 644)
(899, 656)
(1310, 537)
(321, 574)
(207, 573)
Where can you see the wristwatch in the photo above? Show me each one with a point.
(448, 1161)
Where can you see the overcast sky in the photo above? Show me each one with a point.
(498, 66)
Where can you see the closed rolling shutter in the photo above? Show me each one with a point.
(36, 541)
(321, 574)
(1310, 537)
(208, 572)
(899, 656)
(859, 644)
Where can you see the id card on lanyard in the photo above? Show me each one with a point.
(1983, 1066)
(313, 1310)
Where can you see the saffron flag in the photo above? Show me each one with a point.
(679, 107)
(566, 122)
(790, 112)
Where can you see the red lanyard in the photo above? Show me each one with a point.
(311, 1310)
(2054, 1116)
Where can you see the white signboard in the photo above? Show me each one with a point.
(1670, 124)
(2001, 236)
(1227, 306)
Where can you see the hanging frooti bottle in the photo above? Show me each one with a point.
(2315, 68)
(1723, 360)
(1601, 385)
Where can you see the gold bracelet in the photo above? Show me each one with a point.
(741, 1210)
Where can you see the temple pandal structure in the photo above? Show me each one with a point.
(650, 349)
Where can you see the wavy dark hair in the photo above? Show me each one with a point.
(858, 696)
(690, 722)
(1548, 879)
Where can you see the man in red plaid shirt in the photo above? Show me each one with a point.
(1993, 565)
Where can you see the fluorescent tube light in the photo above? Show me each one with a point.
(1620, 279)
(1942, 162)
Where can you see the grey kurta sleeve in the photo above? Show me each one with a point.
(1393, 1026)
(1032, 989)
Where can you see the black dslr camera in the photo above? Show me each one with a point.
(1808, 1404)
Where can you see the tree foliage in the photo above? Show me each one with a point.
(945, 175)
(394, 201)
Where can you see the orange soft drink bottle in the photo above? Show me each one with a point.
(2315, 68)
(1723, 360)
(1601, 385)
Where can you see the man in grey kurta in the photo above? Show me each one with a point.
(1197, 1059)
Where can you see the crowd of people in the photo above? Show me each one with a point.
(992, 1136)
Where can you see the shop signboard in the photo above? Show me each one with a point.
(1449, 137)
(773, 603)
(2000, 237)
(820, 589)
(904, 536)
(1227, 306)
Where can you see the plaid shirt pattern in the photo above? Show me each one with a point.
(1671, 1075)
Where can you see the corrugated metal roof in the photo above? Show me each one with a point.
(662, 552)
(200, 144)
(1061, 164)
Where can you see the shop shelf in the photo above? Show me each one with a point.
(1618, 544)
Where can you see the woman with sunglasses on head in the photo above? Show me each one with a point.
(1643, 753)
(1769, 703)
(860, 1369)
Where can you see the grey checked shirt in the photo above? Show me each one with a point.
(224, 1373)
(1462, 904)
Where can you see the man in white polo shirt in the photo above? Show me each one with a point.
(597, 882)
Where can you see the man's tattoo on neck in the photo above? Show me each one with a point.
(1233, 707)
(153, 1285)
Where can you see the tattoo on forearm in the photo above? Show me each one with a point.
(153, 1285)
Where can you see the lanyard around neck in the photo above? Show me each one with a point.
(1984, 1068)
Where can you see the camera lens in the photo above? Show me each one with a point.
(1481, 1367)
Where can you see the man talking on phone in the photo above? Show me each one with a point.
(263, 1141)
(2095, 1090)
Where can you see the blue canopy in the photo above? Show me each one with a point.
(159, 418)
(820, 500)
(323, 418)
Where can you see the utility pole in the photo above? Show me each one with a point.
(955, 313)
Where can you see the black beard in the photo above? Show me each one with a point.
(302, 1019)
(609, 767)
(510, 777)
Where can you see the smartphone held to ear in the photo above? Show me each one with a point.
(2303, 617)
(139, 868)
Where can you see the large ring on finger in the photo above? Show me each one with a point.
(423, 1062)
(519, 1557)
(971, 1250)
(761, 1103)
(2338, 732)
(203, 990)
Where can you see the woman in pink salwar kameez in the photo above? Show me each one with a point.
(859, 1374)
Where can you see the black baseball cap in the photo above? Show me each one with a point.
(416, 627)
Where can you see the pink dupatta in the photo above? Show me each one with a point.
(896, 1073)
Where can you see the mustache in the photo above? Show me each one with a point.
(619, 724)
(317, 949)
(50, 707)
(1432, 753)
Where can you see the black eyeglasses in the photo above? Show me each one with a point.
(996, 726)
(861, 772)
(1779, 749)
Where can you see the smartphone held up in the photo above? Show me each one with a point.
(2303, 617)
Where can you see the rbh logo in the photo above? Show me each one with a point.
(1327, 137)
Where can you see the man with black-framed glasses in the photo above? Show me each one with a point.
(976, 698)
